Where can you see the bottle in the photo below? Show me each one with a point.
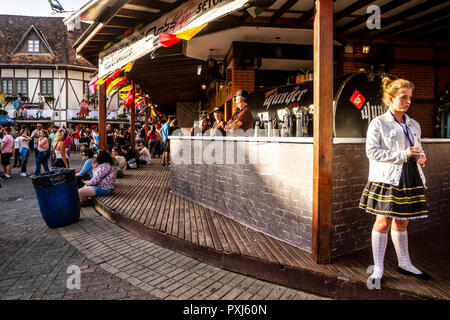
(269, 127)
(257, 128)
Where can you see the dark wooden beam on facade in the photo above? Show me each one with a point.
(323, 132)
(399, 17)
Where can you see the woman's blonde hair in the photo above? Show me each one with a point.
(59, 136)
(392, 87)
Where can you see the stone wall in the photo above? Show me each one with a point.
(352, 226)
(273, 194)
(265, 186)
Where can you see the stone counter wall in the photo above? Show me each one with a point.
(268, 187)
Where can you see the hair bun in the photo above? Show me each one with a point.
(386, 82)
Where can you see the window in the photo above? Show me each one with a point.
(33, 45)
(47, 87)
(7, 86)
(21, 87)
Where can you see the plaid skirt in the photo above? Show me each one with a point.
(405, 201)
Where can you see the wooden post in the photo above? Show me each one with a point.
(146, 127)
(323, 132)
(102, 116)
(133, 119)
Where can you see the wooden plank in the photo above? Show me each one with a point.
(207, 230)
(193, 224)
(176, 218)
(151, 201)
(200, 230)
(121, 199)
(151, 180)
(234, 237)
(187, 222)
(228, 236)
(290, 259)
(157, 210)
(252, 240)
(170, 216)
(220, 232)
(138, 198)
(213, 231)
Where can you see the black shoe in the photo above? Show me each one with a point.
(422, 276)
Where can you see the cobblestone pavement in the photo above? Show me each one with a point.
(114, 263)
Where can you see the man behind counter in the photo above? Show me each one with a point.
(242, 118)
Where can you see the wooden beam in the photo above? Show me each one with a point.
(424, 20)
(133, 119)
(399, 17)
(419, 32)
(102, 116)
(440, 35)
(284, 8)
(146, 126)
(306, 16)
(384, 8)
(350, 9)
(323, 132)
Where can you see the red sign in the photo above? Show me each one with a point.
(357, 99)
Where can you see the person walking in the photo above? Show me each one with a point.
(24, 151)
(153, 142)
(395, 188)
(43, 147)
(17, 160)
(36, 135)
(59, 150)
(6, 146)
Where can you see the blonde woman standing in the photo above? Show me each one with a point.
(59, 150)
(395, 190)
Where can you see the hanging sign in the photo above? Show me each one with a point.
(191, 14)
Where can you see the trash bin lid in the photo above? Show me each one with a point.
(53, 177)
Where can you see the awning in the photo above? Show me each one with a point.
(189, 16)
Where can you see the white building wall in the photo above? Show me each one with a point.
(33, 73)
(33, 88)
(7, 73)
(21, 73)
(75, 93)
(47, 73)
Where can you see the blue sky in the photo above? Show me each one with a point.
(36, 7)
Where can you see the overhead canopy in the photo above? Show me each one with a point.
(416, 22)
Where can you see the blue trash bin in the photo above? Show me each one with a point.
(57, 195)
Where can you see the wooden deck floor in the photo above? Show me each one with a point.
(143, 204)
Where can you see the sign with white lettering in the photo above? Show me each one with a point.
(357, 101)
(189, 15)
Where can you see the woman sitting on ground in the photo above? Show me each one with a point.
(144, 154)
(87, 171)
(104, 179)
(120, 164)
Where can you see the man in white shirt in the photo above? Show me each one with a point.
(36, 134)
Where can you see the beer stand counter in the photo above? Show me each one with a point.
(266, 182)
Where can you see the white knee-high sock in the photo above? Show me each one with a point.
(400, 240)
(379, 243)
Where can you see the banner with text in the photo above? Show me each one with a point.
(191, 14)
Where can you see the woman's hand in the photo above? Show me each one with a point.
(422, 160)
(414, 152)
